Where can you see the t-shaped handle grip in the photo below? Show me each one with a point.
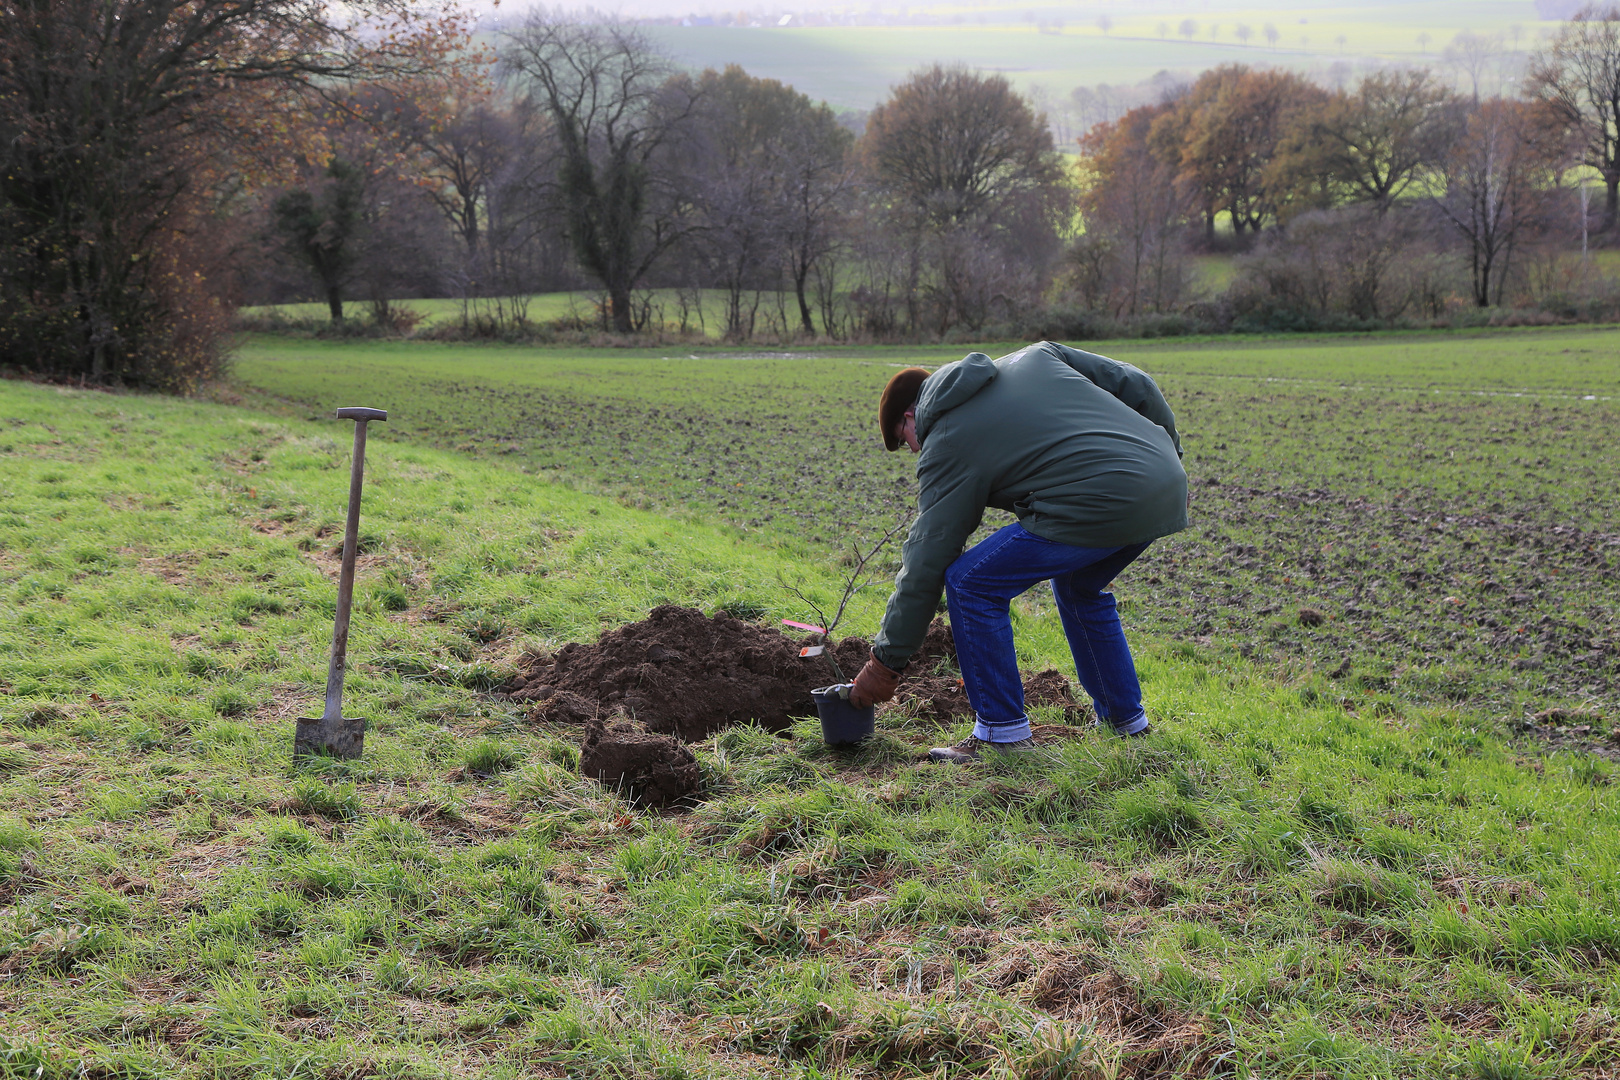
(362, 414)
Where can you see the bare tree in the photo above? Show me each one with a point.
(967, 173)
(1475, 56)
(1244, 32)
(603, 84)
(458, 151)
(820, 184)
(1271, 33)
(950, 145)
(1495, 178)
(1578, 74)
(774, 177)
(1188, 28)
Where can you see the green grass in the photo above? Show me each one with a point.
(1442, 500)
(855, 67)
(706, 317)
(1273, 884)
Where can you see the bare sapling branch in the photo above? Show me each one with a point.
(853, 584)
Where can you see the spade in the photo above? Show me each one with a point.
(332, 734)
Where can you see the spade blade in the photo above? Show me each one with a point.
(337, 737)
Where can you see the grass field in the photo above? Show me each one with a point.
(854, 67)
(705, 317)
(1276, 883)
(1443, 501)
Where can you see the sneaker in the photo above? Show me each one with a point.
(968, 750)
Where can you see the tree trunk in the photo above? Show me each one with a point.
(619, 305)
(1611, 202)
(1482, 278)
(334, 302)
(804, 305)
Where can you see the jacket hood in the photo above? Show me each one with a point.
(950, 386)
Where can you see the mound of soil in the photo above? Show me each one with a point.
(679, 672)
(654, 770)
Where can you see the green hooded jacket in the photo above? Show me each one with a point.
(1082, 448)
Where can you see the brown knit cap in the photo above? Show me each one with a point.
(898, 396)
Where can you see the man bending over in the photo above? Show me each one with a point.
(1084, 450)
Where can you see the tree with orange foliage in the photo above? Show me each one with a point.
(1225, 132)
(1129, 259)
(123, 126)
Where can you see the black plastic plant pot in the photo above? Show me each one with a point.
(842, 724)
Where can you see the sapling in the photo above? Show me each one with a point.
(853, 584)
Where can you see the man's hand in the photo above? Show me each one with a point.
(875, 683)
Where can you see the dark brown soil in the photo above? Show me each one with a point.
(654, 770)
(1051, 689)
(931, 685)
(681, 673)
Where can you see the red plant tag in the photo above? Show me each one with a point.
(804, 626)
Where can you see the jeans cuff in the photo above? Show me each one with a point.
(1131, 726)
(1013, 732)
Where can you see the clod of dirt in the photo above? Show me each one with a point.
(1051, 689)
(1309, 616)
(942, 696)
(560, 706)
(935, 656)
(654, 770)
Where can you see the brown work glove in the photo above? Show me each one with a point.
(875, 683)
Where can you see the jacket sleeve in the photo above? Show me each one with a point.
(950, 501)
(1131, 385)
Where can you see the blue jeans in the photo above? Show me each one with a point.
(979, 587)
